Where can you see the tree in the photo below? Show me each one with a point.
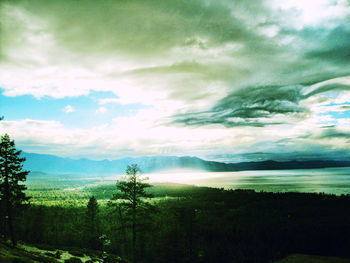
(92, 227)
(131, 191)
(12, 189)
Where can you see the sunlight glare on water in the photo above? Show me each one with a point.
(183, 176)
(327, 180)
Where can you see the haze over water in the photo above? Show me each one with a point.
(327, 180)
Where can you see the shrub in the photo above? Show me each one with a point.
(76, 253)
(45, 247)
(49, 254)
(58, 254)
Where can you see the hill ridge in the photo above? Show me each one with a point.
(55, 164)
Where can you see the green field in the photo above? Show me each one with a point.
(75, 190)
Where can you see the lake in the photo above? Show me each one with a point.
(327, 180)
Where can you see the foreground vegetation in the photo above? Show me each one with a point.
(202, 225)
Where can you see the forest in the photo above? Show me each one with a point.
(133, 221)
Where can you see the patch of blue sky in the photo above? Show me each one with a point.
(84, 115)
(337, 104)
(341, 113)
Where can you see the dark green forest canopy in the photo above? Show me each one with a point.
(207, 224)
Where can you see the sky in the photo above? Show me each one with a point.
(224, 80)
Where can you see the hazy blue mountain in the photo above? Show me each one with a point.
(54, 164)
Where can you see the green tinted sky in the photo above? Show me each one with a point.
(261, 79)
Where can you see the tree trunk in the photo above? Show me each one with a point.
(8, 205)
(125, 248)
(133, 238)
(134, 224)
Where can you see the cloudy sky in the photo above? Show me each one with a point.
(224, 80)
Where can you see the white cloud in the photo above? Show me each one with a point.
(313, 12)
(133, 136)
(68, 109)
(101, 110)
(109, 100)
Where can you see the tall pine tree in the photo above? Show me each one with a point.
(132, 190)
(92, 223)
(12, 176)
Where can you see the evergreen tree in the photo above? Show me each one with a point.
(132, 190)
(12, 176)
(92, 225)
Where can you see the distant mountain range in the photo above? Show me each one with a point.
(54, 164)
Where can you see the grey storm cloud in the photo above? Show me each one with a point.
(139, 27)
(315, 55)
(334, 46)
(258, 105)
(328, 87)
(254, 106)
(333, 132)
(264, 75)
(247, 107)
(216, 44)
(153, 29)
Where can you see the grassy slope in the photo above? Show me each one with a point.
(24, 253)
(18, 255)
